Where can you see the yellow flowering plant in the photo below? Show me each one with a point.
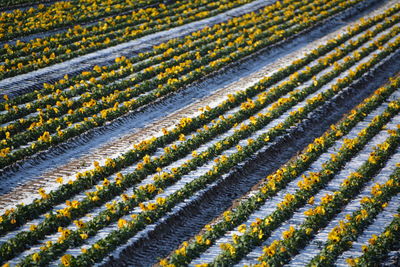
(284, 174)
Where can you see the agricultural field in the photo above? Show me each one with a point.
(200, 133)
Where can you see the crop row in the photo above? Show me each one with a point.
(41, 52)
(60, 14)
(280, 251)
(13, 3)
(379, 246)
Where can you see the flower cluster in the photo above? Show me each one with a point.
(320, 215)
(13, 3)
(60, 14)
(41, 52)
(277, 181)
(379, 245)
(260, 229)
(343, 234)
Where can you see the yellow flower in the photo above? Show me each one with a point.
(270, 250)
(122, 223)
(120, 175)
(152, 206)
(181, 251)
(333, 236)
(146, 159)
(199, 239)
(289, 233)
(235, 238)
(242, 228)
(84, 236)
(320, 210)
(36, 257)
(45, 137)
(75, 204)
(79, 223)
(309, 212)
(96, 164)
(106, 182)
(373, 159)
(326, 199)
(260, 234)
(42, 193)
(352, 262)
(160, 201)
(373, 239)
(66, 260)
(227, 215)
(125, 197)
(164, 262)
